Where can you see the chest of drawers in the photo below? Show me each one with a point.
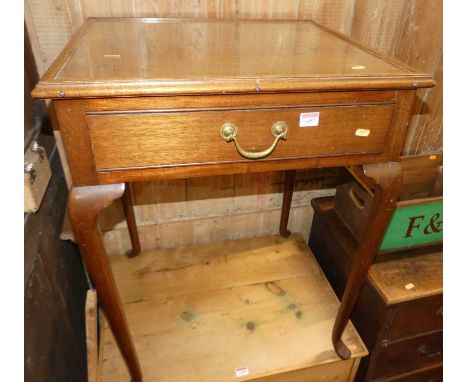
(144, 99)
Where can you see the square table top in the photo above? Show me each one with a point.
(142, 56)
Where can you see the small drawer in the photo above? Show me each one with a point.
(416, 317)
(171, 138)
(402, 356)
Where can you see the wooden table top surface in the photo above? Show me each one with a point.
(135, 56)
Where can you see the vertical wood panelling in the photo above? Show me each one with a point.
(377, 22)
(428, 132)
(182, 211)
(420, 45)
(333, 14)
(52, 22)
(421, 34)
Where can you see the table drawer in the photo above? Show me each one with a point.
(163, 138)
(402, 356)
(416, 317)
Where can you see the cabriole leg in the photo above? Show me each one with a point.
(84, 206)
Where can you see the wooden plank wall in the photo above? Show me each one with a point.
(211, 209)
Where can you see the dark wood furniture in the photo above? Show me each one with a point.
(399, 312)
(143, 99)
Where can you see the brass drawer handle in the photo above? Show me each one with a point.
(428, 352)
(279, 131)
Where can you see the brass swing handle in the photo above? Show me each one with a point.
(279, 131)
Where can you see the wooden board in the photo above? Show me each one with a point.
(198, 313)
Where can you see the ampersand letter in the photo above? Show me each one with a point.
(434, 225)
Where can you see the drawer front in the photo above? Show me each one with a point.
(433, 374)
(402, 356)
(416, 317)
(158, 139)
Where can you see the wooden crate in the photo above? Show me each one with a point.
(248, 310)
(417, 219)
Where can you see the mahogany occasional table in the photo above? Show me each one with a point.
(144, 99)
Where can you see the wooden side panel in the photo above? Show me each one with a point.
(336, 371)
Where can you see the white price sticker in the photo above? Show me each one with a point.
(242, 371)
(309, 119)
(362, 132)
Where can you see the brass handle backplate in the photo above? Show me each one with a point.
(279, 131)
